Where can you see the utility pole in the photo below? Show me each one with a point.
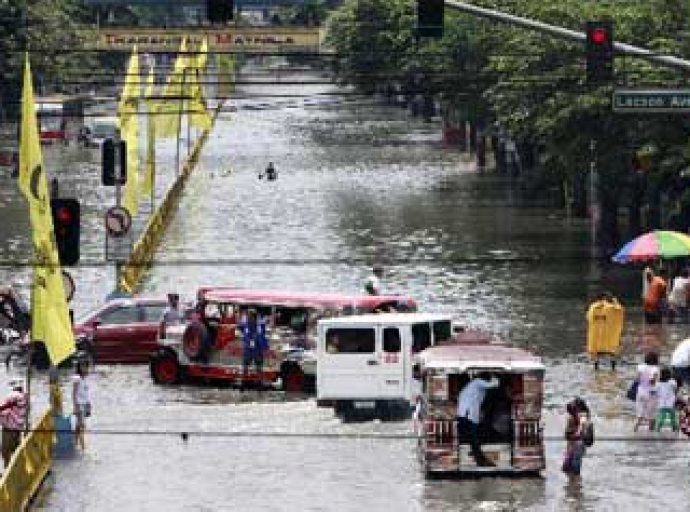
(593, 197)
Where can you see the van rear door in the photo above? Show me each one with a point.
(348, 366)
(393, 363)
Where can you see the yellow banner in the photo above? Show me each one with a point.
(254, 39)
(169, 110)
(50, 320)
(150, 170)
(226, 75)
(198, 115)
(128, 111)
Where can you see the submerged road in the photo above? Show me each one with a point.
(361, 182)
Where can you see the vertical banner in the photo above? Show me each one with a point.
(151, 109)
(168, 110)
(198, 115)
(128, 111)
(50, 322)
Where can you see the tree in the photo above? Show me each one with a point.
(51, 30)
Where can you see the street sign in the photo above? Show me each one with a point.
(117, 221)
(118, 249)
(68, 285)
(651, 101)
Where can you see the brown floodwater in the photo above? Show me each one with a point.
(358, 183)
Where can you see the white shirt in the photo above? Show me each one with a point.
(678, 295)
(172, 316)
(648, 375)
(373, 283)
(681, 355)
(666, 392)
(82, 389)
(471, 397)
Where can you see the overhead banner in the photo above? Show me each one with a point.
(250, 39)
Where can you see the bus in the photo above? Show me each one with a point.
(60, 117)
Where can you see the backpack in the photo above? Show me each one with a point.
(588, 434)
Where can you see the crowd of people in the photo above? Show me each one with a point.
(656, 391)
(661, 300)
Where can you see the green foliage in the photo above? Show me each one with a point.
(53, 32)
(532, 83)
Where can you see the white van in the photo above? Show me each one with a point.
(365, 362)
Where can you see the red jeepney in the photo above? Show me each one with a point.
(510, 430)
(210, 346)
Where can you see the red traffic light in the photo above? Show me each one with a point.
(599, 36)
(63, 215)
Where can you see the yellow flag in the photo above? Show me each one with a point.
(150, 170)
(169, 110)
(50, 320)
(225, 76)
(198, 115)
(128, 110)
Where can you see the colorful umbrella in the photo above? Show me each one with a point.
(655, 245)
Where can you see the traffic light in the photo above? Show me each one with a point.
(219, 11)
(66, 223)
(430, 18)
(599, 51)
(110, 159)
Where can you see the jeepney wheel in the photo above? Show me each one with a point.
(293, 378)
(195, 341)
(165, 369)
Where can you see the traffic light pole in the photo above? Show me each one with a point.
(118, 196)
(564, 33)
(593, 197)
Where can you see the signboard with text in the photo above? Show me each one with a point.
(253, 39)
(650, 101)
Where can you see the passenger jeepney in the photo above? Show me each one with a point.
(511, 425)
(364, 363)
(210, 346)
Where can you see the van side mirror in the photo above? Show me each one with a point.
(416, 372)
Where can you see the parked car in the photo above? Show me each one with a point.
(123, 330)
(102, 128)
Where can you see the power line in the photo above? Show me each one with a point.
(353, 262)
(338, 435)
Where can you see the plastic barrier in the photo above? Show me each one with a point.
(145, 247)
(29, 466)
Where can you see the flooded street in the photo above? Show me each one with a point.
(357, 183)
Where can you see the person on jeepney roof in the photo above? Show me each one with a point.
(373, 283)
(254, 344)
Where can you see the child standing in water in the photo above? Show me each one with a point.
(666, 405)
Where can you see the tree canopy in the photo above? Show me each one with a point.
(533, 84)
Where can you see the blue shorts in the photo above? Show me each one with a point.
(253, 356)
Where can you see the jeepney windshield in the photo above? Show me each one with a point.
(421, 337)
(443, 331)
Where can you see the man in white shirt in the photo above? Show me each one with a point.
(680, 363)
(172, 314)
(470, 402)
(373, 284)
